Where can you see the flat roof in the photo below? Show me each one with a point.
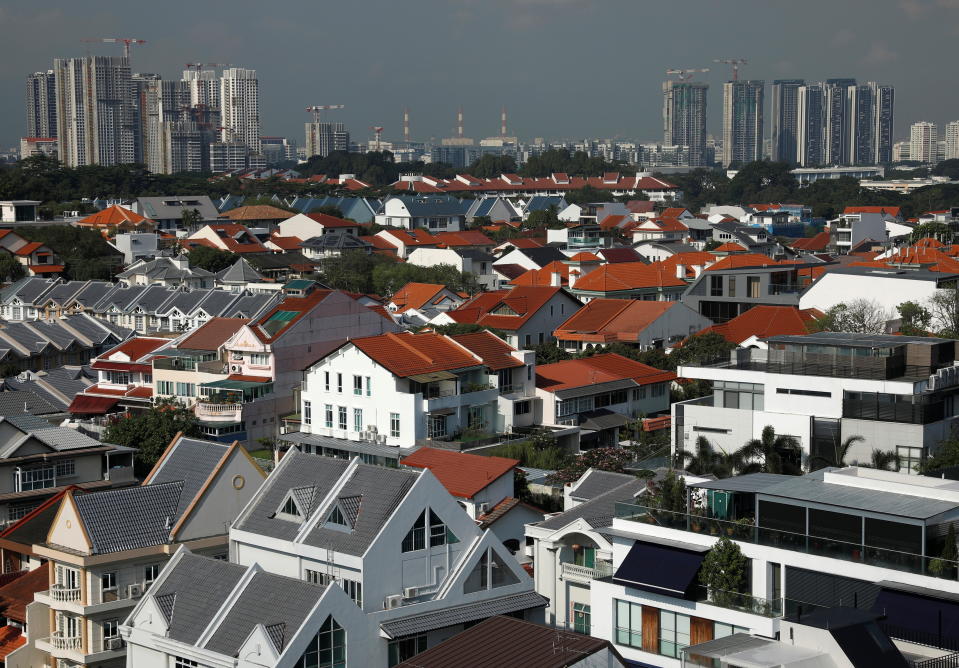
(359, 447)
(853, 340)
(751, 482)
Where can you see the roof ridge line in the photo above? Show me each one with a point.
(400, 340)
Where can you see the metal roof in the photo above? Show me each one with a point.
(751, 482)
(459, 614)
(588, 388)
(344, 445)
(599, 482)
(850, 340)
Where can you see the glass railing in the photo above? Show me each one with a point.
(787, 540)
(734, 600)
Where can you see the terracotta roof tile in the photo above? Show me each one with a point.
(14, 598)
(730, 247)
(816, 243)
(608, 320)
(628, 276)
(494, 351)
(891, 210)
(765, 321)
(136, 349)
(213, 334)
(112, 216)
(597, 369)
(415, 295)
(544, 276)
(405, 354)
(256, 212)
(462, 474)
(523, 301)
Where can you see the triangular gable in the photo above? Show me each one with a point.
(68, 529)
(486, 544)
(29, 445)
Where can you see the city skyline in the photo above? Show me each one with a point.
(376, 82)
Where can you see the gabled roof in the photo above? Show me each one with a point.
(212, 334)
(597, 369)
(256, 212)
(617, 255)
(137, 348)
(894, 211)
(744, 260)
(817, 243)
(415, 295)
(628, 276)
(114, 215)
(129, 518)
(544, 276)
(405, 354)
(190, 461)
(284, 315)
(519, 305)
(608, 320)
(16, 595)
(235, 238)
(730, 247)
(764, 321)
(241, 271)
(494, 351)
(462, 474)
(327, 220)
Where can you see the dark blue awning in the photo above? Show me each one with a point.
(660, 569)
(911, 611)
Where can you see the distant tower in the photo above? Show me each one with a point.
(742, 121)
(502, 123)
(240, 107)
(41, 102)
(459, 123)
(406, 126)
(684, 118)
(784, 119)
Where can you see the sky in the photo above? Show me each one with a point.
(565, 69)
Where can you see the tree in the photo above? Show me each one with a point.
(939, 231)
(946, 455)
(548, 353)
(771, 453)
(151, 431)
(330, 210)
(701, 348)
(191, 218)
(859, 316)
(948, 168)
(836, 458)
(10, 269)
(587, 195)
(883, 460)
(944, 306)
(704, 459)
(670, 493)
(604, 459)
(211, 259)
(490, 166)
(946, 564)
(724, 572)
(544, 219)
(914, 319)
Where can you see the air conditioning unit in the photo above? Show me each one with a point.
(135, 590)
(482, 508)
(235, 368)
(411, 592)
(394, 601)
(113, 643)
(371, 428)
(381, 438)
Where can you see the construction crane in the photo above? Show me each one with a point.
(317, 108)
(686, 75)
(378, 134)
(196, 67)
(127, 42)
(735, 62)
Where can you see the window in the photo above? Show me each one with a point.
(336, 517)
(164, 387)
(38, 477)
(328, 410)
(581, 618)
(307, 412)
(339, 383)
(358, 385)
(353, 589)
(66, 467)
(673, 633)
(186, 389)
(406, 648)
(260, 359)
(629, 624)
(490, 572)
(180, 662)
(715, 286)
(326, 380)
(369, 387)
(111, 628)
(436, 427)
(290, 507)
(439, 533)
(657, 390)
(522, 408)
(585, 556)
(150, 574)
(118, 377)
(108, 582)
(20, 510)
(804, 393)
(317, 577)
(910, 458)
(732, 286)
(328, 648)
(341, 415)
(357, 420)
(416, 537)
(752, 287)
(394, 425)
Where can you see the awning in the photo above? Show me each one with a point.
(587, 388)
(227, 384)
(660, 569)
(442, 411)
(85, 405)
(912, 611)
(470, 612)
(602, 418)
(432, 377)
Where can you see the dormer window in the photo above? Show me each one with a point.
(290, 508)
(336, 517)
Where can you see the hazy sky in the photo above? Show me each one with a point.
(564, 68)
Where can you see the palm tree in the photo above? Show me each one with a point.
(837, 458)
(771, 453)
(706, 460)
(884, 460)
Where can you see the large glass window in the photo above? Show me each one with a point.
(37, 477)
(342, 417)
(328, 410)
(307, 412)
(629, 624)
(406, 648)
(439, 532)
(910, 458)
(358, 385)
(581, 616)
(416, 537)
(584, 556)
(488, 573)
(673, 633)
(328, 648)
(394, 425)
(357, 420)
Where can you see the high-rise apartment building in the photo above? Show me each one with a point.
(809, 125)
(900, 151)
(240, 107)
(836, 121)
(323, 138)
(742, 121)
(41, 103)
(952, 141)
(94, 111)
(923, 142)
(885, 97)
(684, 118)
(870, 112)
(785, 119)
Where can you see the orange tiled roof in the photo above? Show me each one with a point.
(891, 210)
(415, 295)
(112, 216)
(544, 275)
(462, 474)
(286, 243)
(608, 320)
(730, 247)
(628, 276)
(743, 260)
(212, 334)
(136, 348)
(521, 302)
(29, 248)
(407, 354)
(494, 351)
(583, 256)
(765, 321)
(817, 243)
(256, 212)
(597, 369)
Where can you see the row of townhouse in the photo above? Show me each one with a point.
(332, 563)
(143, 308)
(845, 562)
(44, 345)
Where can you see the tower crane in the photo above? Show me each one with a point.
(127, 42)
(378, 134)
(317, 108)
(735, 62)
(687, 74)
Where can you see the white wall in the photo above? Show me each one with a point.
(889, 291)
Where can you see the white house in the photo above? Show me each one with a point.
(474, 262)
(309, 225)
(434, 212)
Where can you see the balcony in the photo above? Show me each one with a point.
(65, 594)
(798, 364)
(60, 642)
(583, 574)
(218, 412)
(907, 562)
(785, 288)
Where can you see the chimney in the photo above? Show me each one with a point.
(681, 271)
(556, 279)
(697, 270)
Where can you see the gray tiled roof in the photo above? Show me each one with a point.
(240, 271)
(27, 289)
(599, 511)
(63, 293)
(600, 482)
(191, 461)
(267, 599)
(381, 490)
(17, 402)
(167, 603)
(92, 293)
(201, 585)
(468, 612)
(163, 267)
(131, 517)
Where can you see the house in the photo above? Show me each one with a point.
(15, 595)
(578, 235)
(418, 303)
(40, 460)
(256, 216)
(660, 230)
(309, 225)
(750, 329)
(36, 258)
(643, 324)
(401, 389)
(494, 208)
(167, 211)
(415, 565)
(433, 212)
(334, 245)
(45, 394)
(107, 548)
(602, 394)
(241, 275)
(630, 280)
(230, 237)
(467, 261)
(45, 345)
(539, 646)
(115, 219)
(841, 595)
(524, 258)
(137, 245)
(823, 388)
(360, 209)
(19, 210)
(755, 239)
(168, 272)
(527, 315)
(618, 255)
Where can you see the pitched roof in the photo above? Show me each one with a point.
(607, 320)
(518, 305)
(284, 315)
(628, 276)
(544, 276)
(16, 595)
(764, 321)
(597, 369)
(743, 260)
(241, 271)
(817, 243)
(616, 255)
(890, 210)
(136, 348)
(212, 334)
(730, 247)
(131, 517)
(256, 212)
(494, 351)
(461, 473)
(327, 220)
(190, 461)
(405, 354)
(415, 295)
(113, 215)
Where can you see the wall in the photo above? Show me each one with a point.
(889, 291)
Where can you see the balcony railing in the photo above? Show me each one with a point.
(785, 288)
(734, 600)
(219, 411)
(64, 594)
(747, 533)
(571, 571)
(62, 642)
(872, 368)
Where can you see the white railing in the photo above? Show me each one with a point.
(570, 571)
(61, 642)
(220, 411)
(64, 594)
